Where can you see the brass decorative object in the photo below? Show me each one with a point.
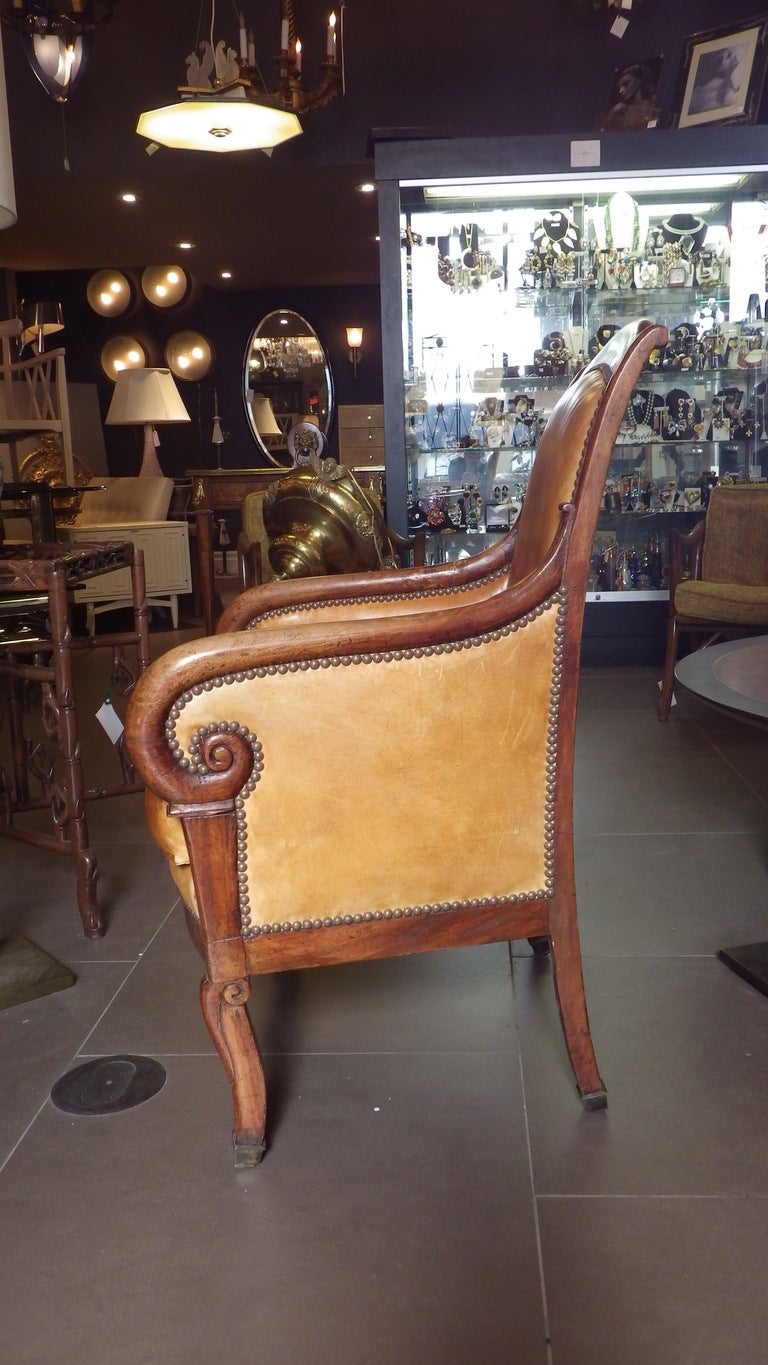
(320, 520)
(45, 464)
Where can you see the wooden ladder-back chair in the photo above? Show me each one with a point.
(33, 399)
(718, 575)
(277, 758)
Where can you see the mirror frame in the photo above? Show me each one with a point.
(268, 329)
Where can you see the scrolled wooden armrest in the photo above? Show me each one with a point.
(419, 583)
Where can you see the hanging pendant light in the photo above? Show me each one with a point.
(225, 105)
(57, 38)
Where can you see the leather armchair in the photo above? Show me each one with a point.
(277, 754)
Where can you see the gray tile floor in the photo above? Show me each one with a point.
(433, 1191)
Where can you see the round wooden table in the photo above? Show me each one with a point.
(734, 678)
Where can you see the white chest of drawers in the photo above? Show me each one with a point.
(166, 565)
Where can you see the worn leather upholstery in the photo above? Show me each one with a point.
(382, 763)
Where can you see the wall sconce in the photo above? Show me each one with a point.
(164, 285)
(109, 293)
(355, 344)
(122, 353)
(189, 356)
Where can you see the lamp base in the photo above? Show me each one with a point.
(150, 465)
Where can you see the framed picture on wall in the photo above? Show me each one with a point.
(722, 74)
(633, 98)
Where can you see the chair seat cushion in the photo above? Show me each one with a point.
(734, 603)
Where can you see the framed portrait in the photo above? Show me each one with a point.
(633, 98)
(721, 78)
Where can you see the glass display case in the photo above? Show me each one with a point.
(509, 284)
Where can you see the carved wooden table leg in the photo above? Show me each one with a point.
(69, 744)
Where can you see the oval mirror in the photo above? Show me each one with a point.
(287, 379)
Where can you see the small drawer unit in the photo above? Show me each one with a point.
(361, 435)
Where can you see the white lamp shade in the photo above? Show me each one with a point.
(145, 396)
(263, 416)
(7, 191)
(218, 125)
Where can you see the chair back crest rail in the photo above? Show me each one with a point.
(389, 774)
(490, 569)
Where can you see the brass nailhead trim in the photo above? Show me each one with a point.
(452, 591)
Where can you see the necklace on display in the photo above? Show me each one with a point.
(618, 210)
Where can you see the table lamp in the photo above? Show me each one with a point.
(149, 398)
(263, 415)
(38, 320)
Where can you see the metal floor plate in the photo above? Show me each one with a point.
(108, 1085)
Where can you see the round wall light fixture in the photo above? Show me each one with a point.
(122, 353)
(164, 285)
(189, 355)
(109, 293)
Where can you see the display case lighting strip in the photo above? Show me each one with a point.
(552, 188)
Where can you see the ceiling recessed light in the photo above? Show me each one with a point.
(129, 197)
(226, 274)
(367, 187)
(185, 246)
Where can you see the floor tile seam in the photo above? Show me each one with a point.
(596, 955)
(133, 966)
(736, 772)
(463, 1053)
(665, 832)
(529, 1159)
(712, 1196)
(79, 1054)
(535, 1210)
(104, 961)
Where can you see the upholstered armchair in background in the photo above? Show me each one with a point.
(718, 575)
(278, 754)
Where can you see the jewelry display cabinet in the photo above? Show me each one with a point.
(511, 282)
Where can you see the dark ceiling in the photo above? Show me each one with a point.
(499, 67)
(295, 216)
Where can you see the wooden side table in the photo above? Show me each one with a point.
(36, 647)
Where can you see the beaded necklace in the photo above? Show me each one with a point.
(609, 242)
